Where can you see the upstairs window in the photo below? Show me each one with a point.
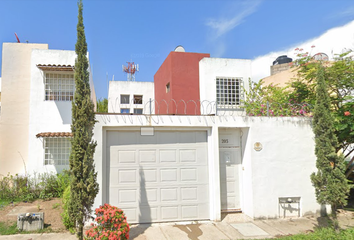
(138, 99)
(57, 150)
(124, 99)
(168, 87)
(229, 91)
(59, 87)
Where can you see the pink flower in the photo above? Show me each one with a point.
(347, 113)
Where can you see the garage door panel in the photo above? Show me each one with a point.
(161, 179)
(149, 175)
(147, 156)
(168, 175)
(168, 155)
(169, 213)
(169, 194)
(149, 196)
(189, 193)
(131, 214)
(127, 196)
(190, 211)
(148, 214)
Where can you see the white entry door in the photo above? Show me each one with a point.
(158, 178)
(230, 170)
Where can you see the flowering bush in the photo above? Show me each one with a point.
(111, 224)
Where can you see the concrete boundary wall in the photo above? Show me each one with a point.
(277, 158)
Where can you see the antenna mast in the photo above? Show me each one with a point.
(130, 70)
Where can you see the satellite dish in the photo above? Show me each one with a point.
(320, 57)
(179, 48)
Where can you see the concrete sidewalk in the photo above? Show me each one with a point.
(235, 226)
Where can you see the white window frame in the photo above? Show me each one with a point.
(229, 91)
(57, 151)
(59, 86)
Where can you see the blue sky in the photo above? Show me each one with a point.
(145, 32)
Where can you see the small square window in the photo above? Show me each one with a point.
(138, 111)
(138, 99)
(168, 88)
(59, 87)
(124, 110)
(229, 91)
(57, 151)
(124, 99)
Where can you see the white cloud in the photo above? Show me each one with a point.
(332, 42)
(224, 25)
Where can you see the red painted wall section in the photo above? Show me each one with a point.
(162, 77)
(181, 70)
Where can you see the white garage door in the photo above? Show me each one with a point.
(158, 178)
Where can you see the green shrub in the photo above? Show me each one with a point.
(29, 188)
(67, 220)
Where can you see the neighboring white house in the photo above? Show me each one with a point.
(131, 97)
(37, 90)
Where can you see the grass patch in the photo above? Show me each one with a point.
(323, 234)
(8, 228)
(56, 205)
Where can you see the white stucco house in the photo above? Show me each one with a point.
(37, 89)
(177, 167)
(131, 97)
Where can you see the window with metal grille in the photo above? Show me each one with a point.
(124, 99)
(57, 151)
(229, 91)
(59, 87)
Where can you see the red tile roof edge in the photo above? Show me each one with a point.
(54, 134)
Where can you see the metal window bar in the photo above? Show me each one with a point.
(57, 151)
(229, 93)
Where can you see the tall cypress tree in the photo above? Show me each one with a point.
(84, 187)
(330, 183)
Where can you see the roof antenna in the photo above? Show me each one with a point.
(18, 40)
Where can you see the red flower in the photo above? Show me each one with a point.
(346, 113)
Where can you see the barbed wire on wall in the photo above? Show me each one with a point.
(206, 107)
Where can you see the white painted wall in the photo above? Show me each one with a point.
(47, 116)
(284, 165)
(281, 169)
(210, 69)
(15, 97)
(117, 88)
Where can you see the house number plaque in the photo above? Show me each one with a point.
(258, 146)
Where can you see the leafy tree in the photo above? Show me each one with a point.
(339, 79)
(102, 105)
(330, 183)
(84, 187)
